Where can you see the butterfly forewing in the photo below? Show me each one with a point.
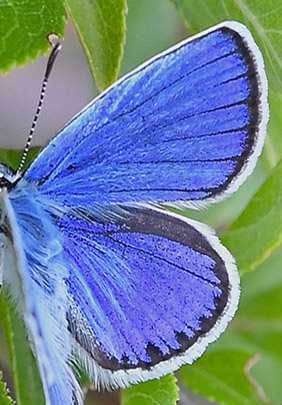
(187, 125)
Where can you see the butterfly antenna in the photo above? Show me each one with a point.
(56, 44)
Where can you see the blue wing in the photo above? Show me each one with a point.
(187, 125)
(128, 295)
(148, 291)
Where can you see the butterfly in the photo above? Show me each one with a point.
(107, 279)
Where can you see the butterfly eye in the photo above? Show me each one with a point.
(7, 176)
(4, 182)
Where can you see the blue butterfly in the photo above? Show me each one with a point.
(105, 277)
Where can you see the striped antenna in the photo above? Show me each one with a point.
(55, 42)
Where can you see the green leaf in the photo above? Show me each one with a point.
(162, 391)
(26, 377)
(24, 26)
(149, 19)
(257, 326)
(258, 230)
(101, 27)
(13, 157)
(254, 337)
(4, 398)
(10, 157)
(263, 19)
(272, 152)
(221, 377)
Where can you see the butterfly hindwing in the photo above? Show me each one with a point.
(149, 290)
(187, 125)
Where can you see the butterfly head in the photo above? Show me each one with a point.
(7, 176)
